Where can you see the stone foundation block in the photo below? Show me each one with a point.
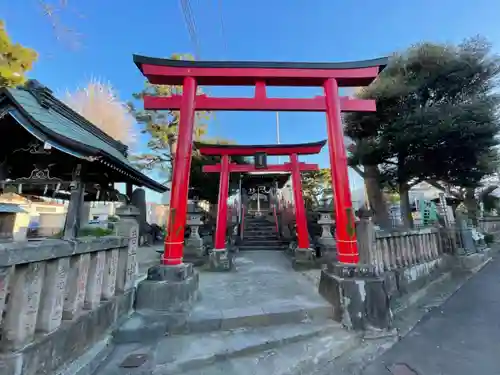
(304, 258)
(220, 260)
(328, 251)
(471, 261)
(194, 252)
(168, 289)
(360, 300)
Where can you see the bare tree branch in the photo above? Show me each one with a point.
(52, 11)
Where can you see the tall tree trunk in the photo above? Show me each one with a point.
(376, 197)
(405, 205)
(471, 205)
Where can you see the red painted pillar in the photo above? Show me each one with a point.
(174, 242)
(300, 210)
(345, 228)
(220, 230)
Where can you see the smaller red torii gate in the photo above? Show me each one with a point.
(294, 167)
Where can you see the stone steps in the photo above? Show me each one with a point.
(262, 350)
(141, 327)
(260, 234)
(262, 248)
(264, 240)
(299, 358)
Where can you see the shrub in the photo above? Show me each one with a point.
(489, 238)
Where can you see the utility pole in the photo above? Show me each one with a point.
(278, 132)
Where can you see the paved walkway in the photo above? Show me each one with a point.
(261, 318)
(460, 338)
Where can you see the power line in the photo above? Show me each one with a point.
(190, 22)
(222, 28)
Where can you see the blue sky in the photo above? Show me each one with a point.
(281, 30)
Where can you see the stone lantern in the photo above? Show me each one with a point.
(194, 251)
(326, 242)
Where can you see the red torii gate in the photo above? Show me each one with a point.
(329, 76)
(294, 167)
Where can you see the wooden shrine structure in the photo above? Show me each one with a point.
(49, 150)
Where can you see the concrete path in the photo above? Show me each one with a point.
(460, 338)
(261, 318)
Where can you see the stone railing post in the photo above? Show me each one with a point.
(53, 294)
(76, 285)
(365, 233)
(94, 280)
(22, 310)
(128, 227)
(5, 277)
(110, 273)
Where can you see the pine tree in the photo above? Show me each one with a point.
(15, 60)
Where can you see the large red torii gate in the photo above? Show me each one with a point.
(329, 76)
(294, 167)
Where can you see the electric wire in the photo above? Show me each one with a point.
(190, 23)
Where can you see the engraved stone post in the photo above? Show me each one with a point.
(127, 258)
(5, 276)
(76, 285)
(53, 291)
(365, 234)
(109, 278)
(22, 309)
(94, 281)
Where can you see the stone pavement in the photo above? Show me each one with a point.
(261, 318)
(462, 337)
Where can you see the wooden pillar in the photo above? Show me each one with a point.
(300, 210)
(221, 226)
(344, 215)
(174, 242)
(72, 224)
(129, 189)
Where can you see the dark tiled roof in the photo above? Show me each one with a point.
(63, 125)
(140, 60)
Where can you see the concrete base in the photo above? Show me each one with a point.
(220, 260)
(328, 249)
(194, 252)
(471, 261)
(359, 299)
(167, 290)
(304, 258)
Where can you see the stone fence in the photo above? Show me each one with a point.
(390, 251)
(489, 224)
(59, 297)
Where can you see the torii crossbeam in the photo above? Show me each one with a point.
(329, 76)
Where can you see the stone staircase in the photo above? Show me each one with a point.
(262, 318)
(260, 234)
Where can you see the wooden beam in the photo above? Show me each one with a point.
(259, 103)
(235, 168)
